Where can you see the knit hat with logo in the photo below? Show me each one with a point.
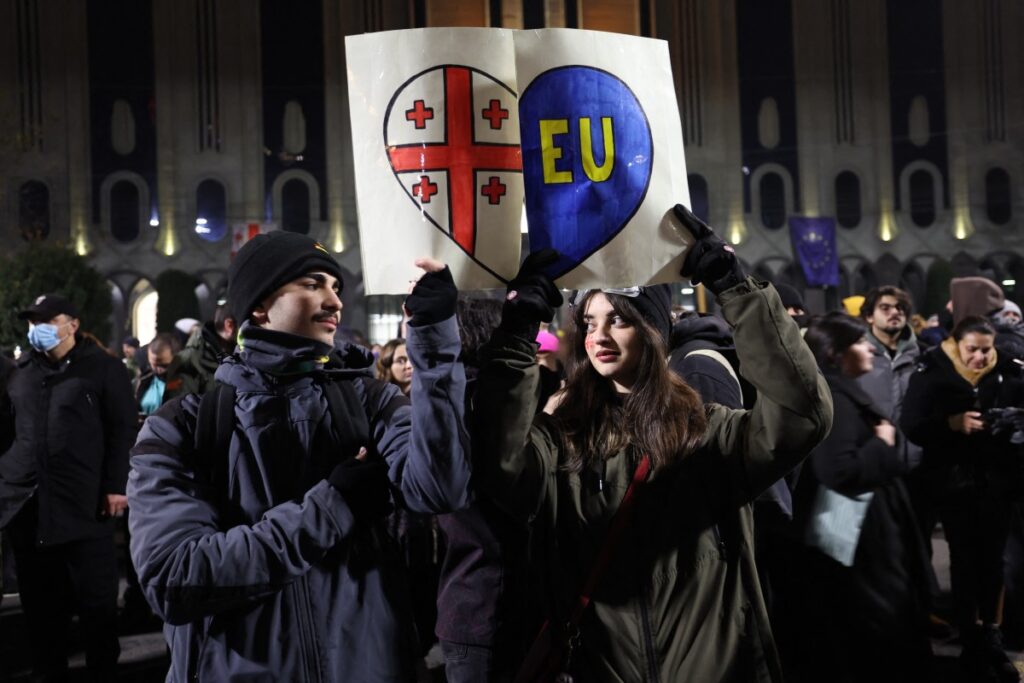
(270, 260)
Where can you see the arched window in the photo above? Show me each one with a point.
(773, 201)
(848, 199)
(922, 198)
(997, 196)
(34, 211)
(295, 206)
(124, 211)
(211, 211)
(699, 196)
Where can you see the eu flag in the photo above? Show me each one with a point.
(814, 244)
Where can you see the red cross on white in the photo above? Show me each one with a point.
(424, 189)
(460, 155)
(494, 190)
(495, 114)
(419, 114)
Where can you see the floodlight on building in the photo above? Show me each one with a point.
(154, 222)
(200, 221)
(737, 232)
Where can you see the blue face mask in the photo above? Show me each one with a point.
(44, 337)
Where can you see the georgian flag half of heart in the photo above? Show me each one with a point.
(461, 136)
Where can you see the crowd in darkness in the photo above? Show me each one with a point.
(641, 493)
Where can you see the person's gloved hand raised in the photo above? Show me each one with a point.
(532, 296)
(364, 484)
(434, 295)
(711, 259)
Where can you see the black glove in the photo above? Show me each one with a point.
(432, 299)
(365, 486)
(711, 259)
(532, 296)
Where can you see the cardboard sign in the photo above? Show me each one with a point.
(437, 119)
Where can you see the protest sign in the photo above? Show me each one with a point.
(437, 116)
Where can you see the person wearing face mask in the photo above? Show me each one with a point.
(62, 482)
(972, 475)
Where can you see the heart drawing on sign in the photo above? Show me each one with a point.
(587, 159)
(453, 144)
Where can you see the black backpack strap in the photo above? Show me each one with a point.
(215, 422)
(350, 426)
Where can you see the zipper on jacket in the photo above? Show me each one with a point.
(645, 619)
(304, 610)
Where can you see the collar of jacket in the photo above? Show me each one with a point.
(280, 354)
(906, 343)
(83, 347)
(952, 351)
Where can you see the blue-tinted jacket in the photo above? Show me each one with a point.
(299, 591)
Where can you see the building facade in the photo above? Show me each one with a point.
(142, 132)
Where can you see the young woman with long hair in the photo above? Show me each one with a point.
(393, 365)
(677, 598)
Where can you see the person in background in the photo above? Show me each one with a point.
(130, 349)
(971, 475)
(393, 365)
(206, 348)
(861, 580)
(161, 383)
(793, 302)
(483, 621)
(895, 352)
(61, 484)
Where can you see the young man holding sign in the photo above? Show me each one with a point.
(639, 495)
(257, 530)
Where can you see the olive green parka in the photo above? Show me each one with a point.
(680, 600)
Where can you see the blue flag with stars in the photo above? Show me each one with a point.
(814, 244)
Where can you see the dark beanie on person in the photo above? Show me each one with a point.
(790, 297)
(655, 305)
(974, 296)
(270, 260)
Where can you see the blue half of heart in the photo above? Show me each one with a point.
(587, 159)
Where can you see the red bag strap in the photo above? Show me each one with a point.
(611, 539)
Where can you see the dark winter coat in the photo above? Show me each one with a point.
(886, 385)
(298, 590)
(886, 587)
(6, 409)
(705, 374)
(481, 591)
(198, 361)
(74, 423)
(680, 600)
(953, 460)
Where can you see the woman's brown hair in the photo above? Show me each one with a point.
(662, 416)
(386, 358)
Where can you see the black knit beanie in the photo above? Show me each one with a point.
(271, 260)
(655, 305)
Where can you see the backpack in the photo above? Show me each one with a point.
(215, 423)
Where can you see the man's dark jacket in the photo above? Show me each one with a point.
(74, 423)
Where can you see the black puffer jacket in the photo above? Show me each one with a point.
(74, 423)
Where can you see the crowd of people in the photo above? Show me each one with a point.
(645, 494)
